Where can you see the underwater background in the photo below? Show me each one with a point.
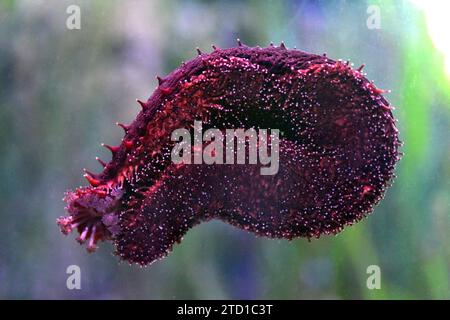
(62, 90)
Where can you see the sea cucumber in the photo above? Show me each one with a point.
(338, 149)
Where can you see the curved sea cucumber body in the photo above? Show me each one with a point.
(337, 152)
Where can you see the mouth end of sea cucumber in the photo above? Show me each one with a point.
(93, 213)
